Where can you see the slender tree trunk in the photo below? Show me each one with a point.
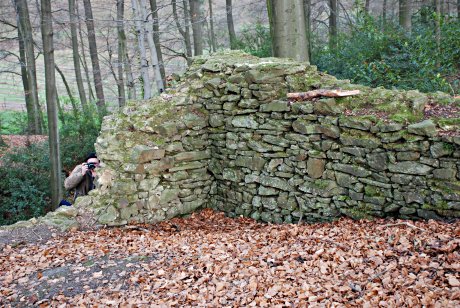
(230, 25)
(458, 9)
(26, 31)
(83, 57)
(211, 24)
(405, 15)
(129, 73)
(197, 26)
(51, 102)
(25, 81)
(120, 60)
(76, 60)
(100, 103)
(288, 28)
(188, 41)
(307, 6)
(140, 40)
(69, 92)
(184, 33)
(366, 6)
(438, 31)
(154, 61)
(156, 37)
(384, 14)
(332, 24)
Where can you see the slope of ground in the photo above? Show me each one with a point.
(211, 260)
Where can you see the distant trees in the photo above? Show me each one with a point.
(230, 25)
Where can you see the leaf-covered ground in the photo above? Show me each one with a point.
(211, 260)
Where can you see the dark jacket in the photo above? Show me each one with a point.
(82, 183)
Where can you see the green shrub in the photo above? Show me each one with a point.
(24, 183)
(392, 58)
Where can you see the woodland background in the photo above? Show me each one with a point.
(65, 64)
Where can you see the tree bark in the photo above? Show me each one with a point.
(332, 24)
(184, 32)
(154, 61)
(211, 24)
(384, 14)
(75, 56)
(366, 6)
(120, 60)
(67, 88)
(100, 103)
(25, 81)
(288, 28)
(51, 102)
(83, 57)
(438, 31)
(143, 55)
(156, 37)
(26, 31)
(197, 26)
(307, 7)
(230, 25)
(405, 15)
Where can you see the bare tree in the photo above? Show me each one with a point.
(120, 60)
(184, 32)
(51, 102)
(230, 25)
(197, 26)
(25, 33)
(75, 56)
(405, 15)
(100, 103)
(211, 24)
(156, 36)
(142, 51)
(288, 28)
(332, 23)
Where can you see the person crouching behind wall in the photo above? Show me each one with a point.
(83, 177)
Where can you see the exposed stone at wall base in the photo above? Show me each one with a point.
(227, 138)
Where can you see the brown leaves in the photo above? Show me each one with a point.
(211, 260)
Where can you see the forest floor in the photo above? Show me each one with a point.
(211, 260)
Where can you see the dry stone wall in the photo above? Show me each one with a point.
(227, 138)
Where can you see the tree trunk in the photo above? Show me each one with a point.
(405, 15)
(185, 33)
(67, 88)
(76, 59)
(384, 14)
(366, 6)
(25, 81)
(100, 103)
(26, 31)
(83, 57)
(230, 25)
(332, 24)
(153, 48)
(197, 26)
(288, 28)
(307, 7)
(51, 102)
(438, 31)
(211, 25)
(121, 42)
(156, 37)
(143, 54)
(458, 9)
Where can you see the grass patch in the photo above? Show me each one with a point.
(13, 122)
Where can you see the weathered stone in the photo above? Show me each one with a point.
(108, 216)
(148, 184)
(315, 167)
(424, 128)
(276, 106)
(360, 141)
(276, 140)
(275, 183)
(412, 197)
(245, 121)
(267, 191)
(232, 175)
(195, 120)
(327, 107)
(361, 124)
(407, 155)
(353, 170)
(142, 154)
(409, 167)
(407, 211)
(253, 163)
(440, 149)
(216, 120)
(191, 156)
(427, 214)
(444, 174)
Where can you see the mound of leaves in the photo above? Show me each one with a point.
(211, 260)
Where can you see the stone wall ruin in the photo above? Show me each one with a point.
(227, 138)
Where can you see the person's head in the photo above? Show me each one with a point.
(91, 158)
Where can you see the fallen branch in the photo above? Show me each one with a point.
(321, 92)
(405, 224)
